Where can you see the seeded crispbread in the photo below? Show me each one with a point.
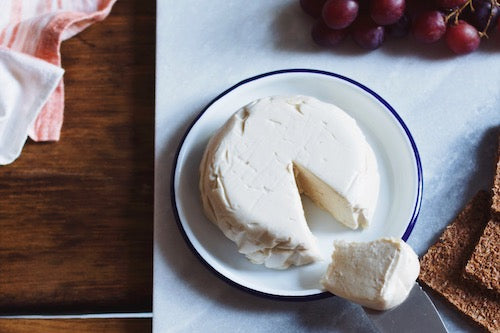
(484, 265)
(495, 202)
(443, 265)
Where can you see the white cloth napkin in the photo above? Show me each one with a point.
(25, 85)
(36, 28)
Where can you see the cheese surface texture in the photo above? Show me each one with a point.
(378, 274)
(268, 153)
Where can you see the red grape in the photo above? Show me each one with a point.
(449, 4)
(339, 14)
(312, 7)
(481, 14)
(429, 26)
(368, 35)
(324, 36)
(401, 28)
(462, 23)
(385, 12)
(462, 38)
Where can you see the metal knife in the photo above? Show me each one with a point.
(416, 314)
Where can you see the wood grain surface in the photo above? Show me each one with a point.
(76, 216)
(139, 325)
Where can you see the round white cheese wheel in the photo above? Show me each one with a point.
(268, 153)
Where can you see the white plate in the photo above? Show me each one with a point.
(397, 157)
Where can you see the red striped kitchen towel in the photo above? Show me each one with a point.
(37, 28)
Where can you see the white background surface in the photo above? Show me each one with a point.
(450, 104)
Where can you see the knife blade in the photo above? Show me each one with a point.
(416, 314)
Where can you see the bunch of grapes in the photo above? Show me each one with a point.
(462, 23)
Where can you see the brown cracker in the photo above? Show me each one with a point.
(443, 265)
(495, 202)
(484, 264)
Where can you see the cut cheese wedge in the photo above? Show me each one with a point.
(378, 274)
(268, 153)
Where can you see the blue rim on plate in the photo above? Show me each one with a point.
(406, 234)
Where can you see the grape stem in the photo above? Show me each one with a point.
(483, 33)
(455, 15)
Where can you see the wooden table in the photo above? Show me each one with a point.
(76, 216)
(129, 325)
